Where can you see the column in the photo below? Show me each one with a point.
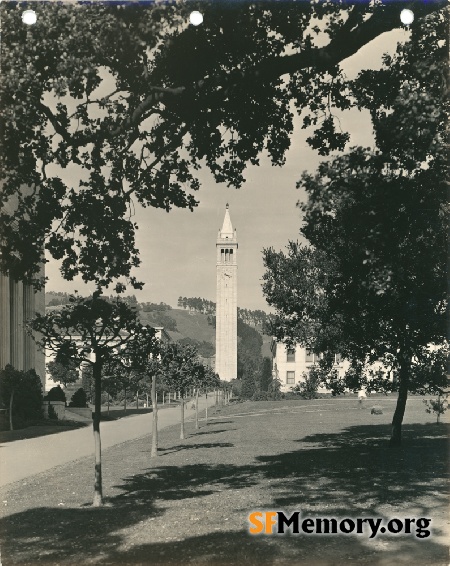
(39, 306)
(17, 337)
(28, 313)
(5, 321)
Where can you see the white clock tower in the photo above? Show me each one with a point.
(226, 302)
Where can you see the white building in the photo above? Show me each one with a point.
(290, 364)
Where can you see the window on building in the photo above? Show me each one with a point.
(337, 359)
(290, 354)
(309, 357)
(290, 377)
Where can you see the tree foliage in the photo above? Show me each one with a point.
(105, 105)
(178, 362)
(64, 374)
(371, 282)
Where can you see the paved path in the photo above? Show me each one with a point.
(22, 459)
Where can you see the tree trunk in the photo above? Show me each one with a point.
(396, 436)
(11, 398)
(98, 489)
(169, 398)
(182, 419)
(125, 401)
(196, 409)
(206, 409)
(154, 451)
(137, 400)
(164, 398)
(107, 401)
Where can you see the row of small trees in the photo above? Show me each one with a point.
(107, 336)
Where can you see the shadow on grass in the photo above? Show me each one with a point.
(43, 428)
(118, 413)
(201, 432)
(352, 473)
(214, 422)
(196, 446)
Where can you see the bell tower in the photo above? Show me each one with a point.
(226, 301)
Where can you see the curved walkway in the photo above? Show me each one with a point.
(22, 459)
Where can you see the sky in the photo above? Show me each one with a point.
(178, 249)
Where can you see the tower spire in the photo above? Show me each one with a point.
(227, 231)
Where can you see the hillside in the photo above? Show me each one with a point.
(178, 323)
(192, 325)
(188, 325)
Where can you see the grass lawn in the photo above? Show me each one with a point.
(324, 458)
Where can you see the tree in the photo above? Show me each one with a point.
(307, 388)
(248, 350)
(95, 331)
(134, 101)
(199, 380)
(62, 373)
(212, 381)
(248, 386)
(265, 378)
(21, 391)
(371, 282)
(437, 406)
(153, 371)
(178, 363)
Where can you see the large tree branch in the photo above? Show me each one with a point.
(347, 41)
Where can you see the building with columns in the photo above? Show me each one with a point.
(226, 301)
(19, 302)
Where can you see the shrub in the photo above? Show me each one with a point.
(267, 396)
(79, 399)
(437, 406)
(56, 394)
(307, 389)
(26, 389)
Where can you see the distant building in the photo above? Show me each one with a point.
(226, 301)
(161, 335)
(290, 364)
(19, 302)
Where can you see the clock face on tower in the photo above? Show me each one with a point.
(226, 275)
